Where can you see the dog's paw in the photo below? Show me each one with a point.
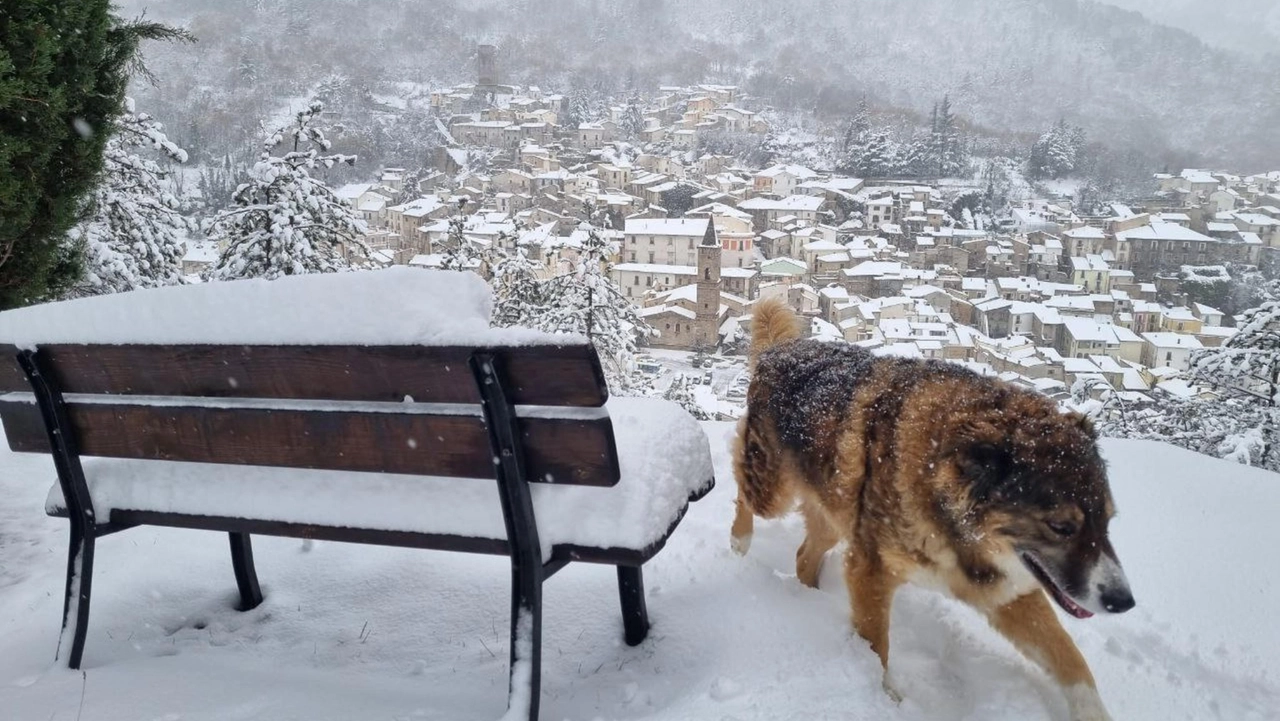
(740, 544)
(891, 689)
(1085, 704)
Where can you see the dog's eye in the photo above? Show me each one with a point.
(1066, 529)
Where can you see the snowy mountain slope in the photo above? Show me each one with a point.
(1251, 26)
(1015, 65)
(1009, 65)
(371, 633)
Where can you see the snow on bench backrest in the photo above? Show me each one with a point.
(231, 395)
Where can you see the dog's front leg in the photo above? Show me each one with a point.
(871, 589)
(1030, 623)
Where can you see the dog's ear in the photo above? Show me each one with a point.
(1082, 422)
(982, 455)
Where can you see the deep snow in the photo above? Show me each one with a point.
(427, 308)
(350, 632)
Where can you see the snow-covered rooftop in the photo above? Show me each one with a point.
(690, 227)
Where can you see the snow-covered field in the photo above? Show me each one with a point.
(351, 632)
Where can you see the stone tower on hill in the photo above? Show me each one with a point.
(706, 324)
(486, 66)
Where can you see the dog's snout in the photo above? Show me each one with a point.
(1117, 600)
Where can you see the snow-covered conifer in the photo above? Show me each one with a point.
(460, 252)
(132, 239)
(877, 154)
(1232, 428)
(584, 301)
(1248, 364)
(1057, 152)
(913, 156)
(632, 121)
(519, 294)
(285, 222)
(681, 391)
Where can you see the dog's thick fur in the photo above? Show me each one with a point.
(935, 475)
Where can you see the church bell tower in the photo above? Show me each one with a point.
(706, 324)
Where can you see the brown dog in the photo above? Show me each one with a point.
(935, 475)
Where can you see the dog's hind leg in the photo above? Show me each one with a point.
(1030, 623)
(871, 589)
(819, 538)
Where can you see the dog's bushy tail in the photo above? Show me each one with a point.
(773, 322)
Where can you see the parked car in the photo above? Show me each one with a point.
(648, 366)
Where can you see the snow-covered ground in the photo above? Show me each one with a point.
(351, 632)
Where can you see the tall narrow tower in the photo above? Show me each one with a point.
(706, 324)
(487, 66)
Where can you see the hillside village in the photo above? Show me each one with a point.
(1045, 297)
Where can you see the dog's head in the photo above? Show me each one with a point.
(1039, 485)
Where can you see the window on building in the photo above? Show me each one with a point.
(1168, 357)
(706, 273)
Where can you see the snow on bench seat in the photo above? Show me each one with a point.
(664, 458)
(393, 306)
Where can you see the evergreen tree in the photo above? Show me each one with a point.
(679, 200)
(632, 121)
(877, 158)
(582, 301)
(854, 144)
(587, 302)
(410, 187)
(1233, 428)
(1248, 364)
(579, 108)
(285, 222)
(1057, 152)
(913, 156)
(519, 295)
(459, 252)
(132, 240)
(946, 152)
(933, 148)
(681, 391)
(64, 67)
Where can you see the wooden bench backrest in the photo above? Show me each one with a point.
(350, 408)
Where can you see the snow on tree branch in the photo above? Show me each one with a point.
(283, 221)
(133, 236)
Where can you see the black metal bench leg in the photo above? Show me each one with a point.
(246, 574)
(525, 685)
(75, 609)
(635, 615)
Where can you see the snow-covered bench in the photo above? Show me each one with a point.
(381, 444)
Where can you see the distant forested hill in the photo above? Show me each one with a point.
(1011, 66)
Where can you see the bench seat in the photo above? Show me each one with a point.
(663, 456)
